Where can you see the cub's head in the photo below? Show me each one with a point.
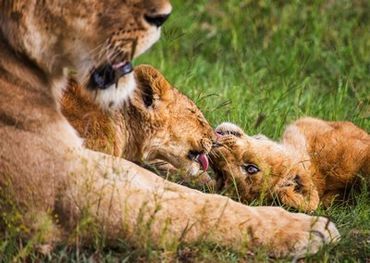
(95, 39)
(254, 167)
(169, 125)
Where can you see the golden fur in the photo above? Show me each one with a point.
(157, 122)
(315, 160)
(53, 182)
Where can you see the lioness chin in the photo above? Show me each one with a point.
(53, 182)
(316, 161)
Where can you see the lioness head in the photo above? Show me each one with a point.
(95, 39)
(256, 167)
(166, 124)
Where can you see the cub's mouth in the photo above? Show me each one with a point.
(216, 156)
(221, 181)
(200, 158)
(108, 74)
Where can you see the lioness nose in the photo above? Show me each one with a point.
(157, 20)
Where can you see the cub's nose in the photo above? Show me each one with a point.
(157, 20)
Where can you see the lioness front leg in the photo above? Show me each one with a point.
(125, 196)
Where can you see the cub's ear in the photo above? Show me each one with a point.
(151, 85)
(146, 95)
(228, 128)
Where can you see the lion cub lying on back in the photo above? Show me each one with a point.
(157, 122)
(316, 160)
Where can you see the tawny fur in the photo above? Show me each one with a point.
(157, 122)
(316, 161)
(53, 182)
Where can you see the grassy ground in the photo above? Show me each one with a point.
(262, 64)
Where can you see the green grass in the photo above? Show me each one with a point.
(262, 64)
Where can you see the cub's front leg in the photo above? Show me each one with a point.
(122, 198)
(330, 197)
(306, 202)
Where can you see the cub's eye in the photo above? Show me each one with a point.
(251, 169)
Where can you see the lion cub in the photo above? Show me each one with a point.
(157, 122)
(316, 160)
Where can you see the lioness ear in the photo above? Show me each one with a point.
(151, 85)
(228, 128)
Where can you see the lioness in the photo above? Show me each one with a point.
(53, 181)
(156, 122)
(315, 160)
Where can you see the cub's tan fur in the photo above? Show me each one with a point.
(157, 122)
(53, 182)
(315, 160)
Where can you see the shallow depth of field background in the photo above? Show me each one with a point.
(262, 64)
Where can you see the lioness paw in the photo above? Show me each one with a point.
(305, 236)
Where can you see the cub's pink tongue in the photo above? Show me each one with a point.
(203, 160)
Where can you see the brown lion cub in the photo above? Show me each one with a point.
(157, 122)
(316, 160)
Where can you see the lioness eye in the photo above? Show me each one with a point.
(251, 169)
